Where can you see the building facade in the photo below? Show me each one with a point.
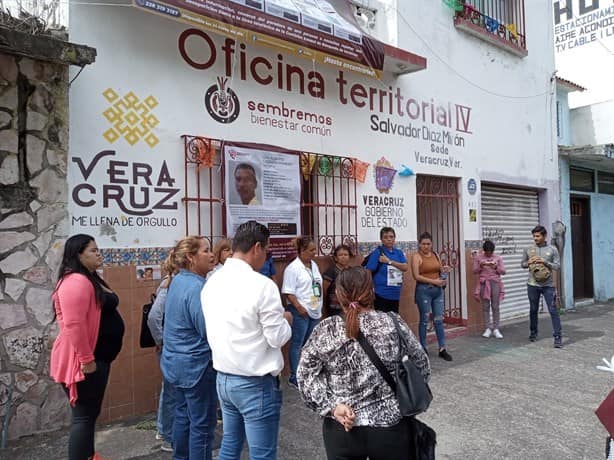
(449, 129)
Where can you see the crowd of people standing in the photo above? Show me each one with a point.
(220, 348)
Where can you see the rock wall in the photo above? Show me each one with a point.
(33, 226)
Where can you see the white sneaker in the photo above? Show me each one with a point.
(498, 334)
(487, 333)
(159, 436)
(166, 447)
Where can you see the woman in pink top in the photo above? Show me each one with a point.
(90, 338)
(489, 291)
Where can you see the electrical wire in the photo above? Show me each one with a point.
(75, 77)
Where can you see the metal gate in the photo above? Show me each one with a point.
(508, 216)
(438, 214)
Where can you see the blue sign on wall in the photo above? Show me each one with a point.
(472, 186)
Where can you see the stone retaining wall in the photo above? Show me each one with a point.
(33, 226)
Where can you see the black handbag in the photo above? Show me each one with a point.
(146, 340)
(422, 439)
(413, 393)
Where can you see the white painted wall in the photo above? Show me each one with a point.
(564, 117)
(511, 136)
(592, 125)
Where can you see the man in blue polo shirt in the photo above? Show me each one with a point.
(387, 264)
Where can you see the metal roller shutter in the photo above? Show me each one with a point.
(508, 215)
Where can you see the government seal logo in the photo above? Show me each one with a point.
(222, 102)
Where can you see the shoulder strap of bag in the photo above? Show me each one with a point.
(377, 362)
(402, 341)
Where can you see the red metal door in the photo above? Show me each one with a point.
(438, 214)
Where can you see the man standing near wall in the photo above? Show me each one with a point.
(542, 259)
(246, 328)
(387, 264)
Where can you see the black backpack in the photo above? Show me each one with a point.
(146, 339)
(366, 259)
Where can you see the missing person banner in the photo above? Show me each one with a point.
(263, 184)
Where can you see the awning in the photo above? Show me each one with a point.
(568, 85)
(593, 156)
(312, 29)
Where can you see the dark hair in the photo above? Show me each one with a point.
(74, 246)
(425, 236)
(488, 246)
(385, 230)
(248, 234)
(342, 247)
(247, 167)
(302, 242)
(540, 229)
(354, 286)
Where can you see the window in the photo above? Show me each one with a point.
(204, 189)
(328, 195)
(605, 183)
(329, 201)
(581, 180)
(500, 22)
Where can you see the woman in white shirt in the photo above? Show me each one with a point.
(302, 288)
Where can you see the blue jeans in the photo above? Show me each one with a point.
(251, 408)
(166, 410)
(429, 299)
(549, 294)
(301, 330)
(195, 419)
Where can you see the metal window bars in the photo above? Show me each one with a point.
(328, 195)
(503, 18)
(329, 210)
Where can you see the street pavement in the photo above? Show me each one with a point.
(498, 399)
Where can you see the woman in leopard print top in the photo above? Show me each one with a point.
(337, 379)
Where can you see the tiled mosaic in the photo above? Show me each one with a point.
(406, 246)
(134, 256)
(473, 244)
(155, 256)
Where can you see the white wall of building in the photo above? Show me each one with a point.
(592, 125)
(563, 118)
(498, 112)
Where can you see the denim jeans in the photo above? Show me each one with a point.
(301, 330)
(251, 408)
(195, 419)
(166, 410)
(549, 293)
(429, 299)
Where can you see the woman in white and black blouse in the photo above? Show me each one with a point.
(337, 379)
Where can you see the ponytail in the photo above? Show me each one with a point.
(354, 288)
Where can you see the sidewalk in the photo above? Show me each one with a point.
(498, 399)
